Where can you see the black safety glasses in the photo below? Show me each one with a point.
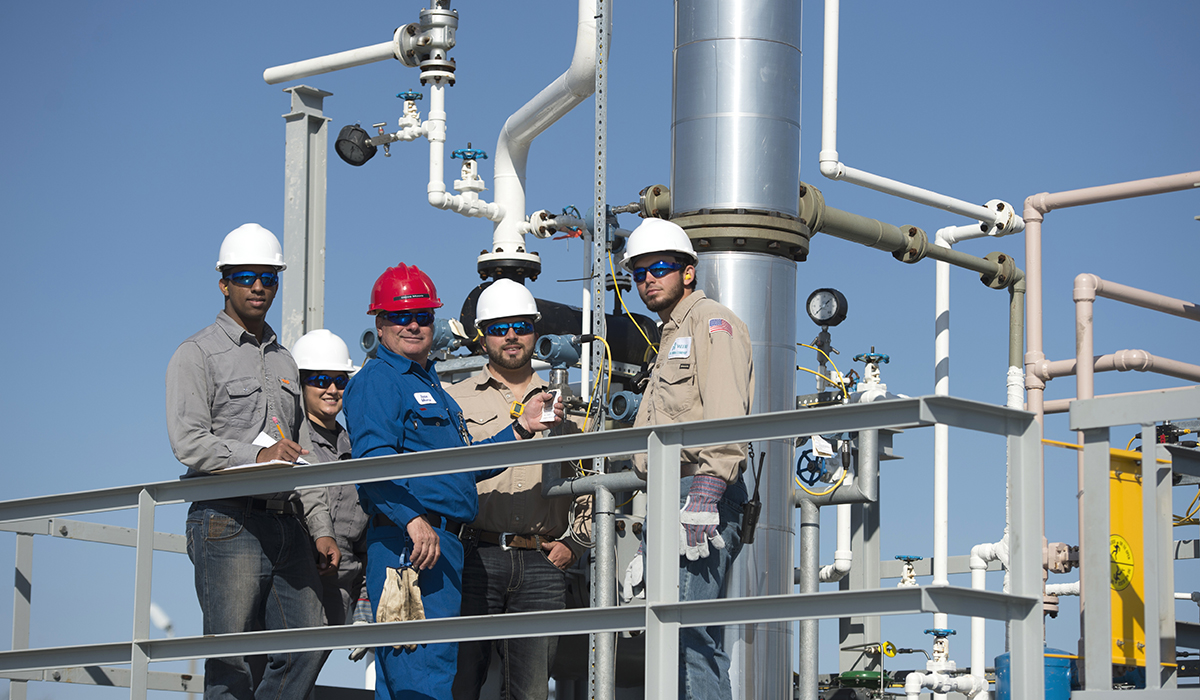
(660, 269)
(247, 278)
(403, 318)
(499, 330)
(322, 381)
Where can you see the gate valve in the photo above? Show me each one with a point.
(941, 645)
(470, 182)
(810, 468)
(410, 96)
(872, 358)
(908, 577)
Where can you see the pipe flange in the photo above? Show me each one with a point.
(916, 247)
(1005, 274)
(518, 266)
(655, 201)
(745, 231)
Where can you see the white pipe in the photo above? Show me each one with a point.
(941, 433)
(1004, 220)
(1071, 588)
(979, 583)
(843, 557)
(586, 348)
(547, 107)
(328, 64)
(466, 203)
(941, 684)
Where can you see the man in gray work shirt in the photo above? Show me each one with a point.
(254, 560)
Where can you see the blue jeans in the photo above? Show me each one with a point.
(703, 662)
(498, 581)
(427, 672)
(254, 571)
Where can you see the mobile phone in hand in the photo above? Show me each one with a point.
(548, 407)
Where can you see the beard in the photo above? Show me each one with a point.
(498, 358)
(665, 300)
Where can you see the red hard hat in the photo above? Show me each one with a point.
(402, 288)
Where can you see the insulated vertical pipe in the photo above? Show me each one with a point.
(606, 590)
(735, 145)
(435, 131)
(829, 87)
(941, 433)
(810, 563)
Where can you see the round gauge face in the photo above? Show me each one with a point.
(827, 307)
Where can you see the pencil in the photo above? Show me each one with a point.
(279, 428)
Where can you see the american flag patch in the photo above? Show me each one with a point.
(719, 325)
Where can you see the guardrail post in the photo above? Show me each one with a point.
(1025, 541)
(139, 661)
(22, 598)
(605, 583)
(1094, 560)
(662, 562)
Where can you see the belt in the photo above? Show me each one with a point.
(505, 540)
(274, 505)
(451, 526)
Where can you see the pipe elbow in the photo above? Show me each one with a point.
(913, 683)
(1131, 360)
(1086, 286)
(1035, 206)
(842, 561)
(831, 167)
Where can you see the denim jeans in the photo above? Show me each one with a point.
(254, 571)
(504, 581)
(704, 663)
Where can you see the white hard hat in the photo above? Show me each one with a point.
(251, 244)
(657, 236)
(322, 350)
(505, 298)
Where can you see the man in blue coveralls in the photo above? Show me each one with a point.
(396, 404)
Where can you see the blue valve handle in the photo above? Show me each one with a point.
(469, 154)
(940, 632)
(810, 469)
(410, 95)
(908, 558)
(869, 357)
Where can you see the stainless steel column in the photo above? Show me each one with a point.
(735, 149)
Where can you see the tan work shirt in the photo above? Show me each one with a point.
(704, 370)
(513, 500)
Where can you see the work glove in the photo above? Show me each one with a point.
(401, 599)
(362, 616)
(699, 519)
(635, 576)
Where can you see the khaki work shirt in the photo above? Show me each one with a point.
(512, 501)
(704, 370)
(223, 389)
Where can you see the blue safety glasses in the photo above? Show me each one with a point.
(403, 318)
(322, 381)
(660, 269)
(247, 278)
(499, 330)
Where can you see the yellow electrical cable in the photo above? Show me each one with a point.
(1130, 443)
(831, 362)
(1189, 515)
(1059, 443)
(608, 352)
(810, 371)
(826, 492)
(621, 299)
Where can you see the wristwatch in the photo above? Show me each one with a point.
(521, 431)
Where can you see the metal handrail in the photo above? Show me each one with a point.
(661, 616)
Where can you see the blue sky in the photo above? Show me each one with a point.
(136, 134)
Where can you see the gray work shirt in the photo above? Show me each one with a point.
(333, 510)
(223, 389)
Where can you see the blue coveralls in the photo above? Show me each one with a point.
(393, 406)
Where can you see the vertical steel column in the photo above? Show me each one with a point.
(662, 562)
(1094, 600)
(1159, 620)
(864, 572)
(139, 662)
(22, 604)
(810, 565)
(304, 213)
(604, 583)
(1025, 562)
(593, 364)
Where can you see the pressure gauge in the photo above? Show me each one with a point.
(827, 307)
